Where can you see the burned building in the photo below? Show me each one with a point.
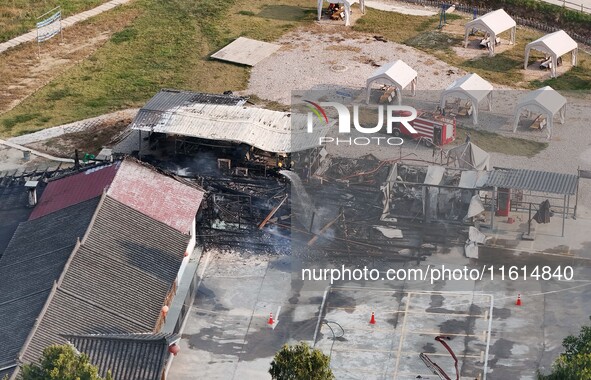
(207, 133)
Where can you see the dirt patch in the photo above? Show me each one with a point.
(90, 141)
(355, 49)
(23, 71)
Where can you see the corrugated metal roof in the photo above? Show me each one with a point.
(533, 180)
(271, 131)
(127, 356)
(33, 261)
(74, 189)
(117, 281)
(168, 98)
(158, 196)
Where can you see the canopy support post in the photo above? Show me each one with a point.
(563, 214)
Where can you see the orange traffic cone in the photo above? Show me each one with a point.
(518, 302)
(271, 321)
(372, 321)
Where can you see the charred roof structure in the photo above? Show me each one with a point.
(102, 253)
(220, 132)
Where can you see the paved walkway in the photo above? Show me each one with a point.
(77, 126)
(32, 35)
(34, 152)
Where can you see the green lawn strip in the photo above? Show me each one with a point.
(494, 142)
(167, 46)
(20, 16)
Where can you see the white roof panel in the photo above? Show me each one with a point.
(272, 131)
(246, 51)
(558, 43)
(472, 85)
(546, 98)
(495, 22)
(397, 72)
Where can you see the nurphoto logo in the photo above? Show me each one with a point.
(396, 116)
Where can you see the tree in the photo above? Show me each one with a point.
(61, 363)
(300, 362)
(575, 362)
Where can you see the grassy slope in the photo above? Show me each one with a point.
(167, 45)
(19, 16)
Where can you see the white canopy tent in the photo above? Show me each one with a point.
(493, 23)
(346, 3)
(546, 100)
(468, 156)
(555, 45)
(472, 87)
(398, 74)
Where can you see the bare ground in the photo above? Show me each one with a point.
(23, 71)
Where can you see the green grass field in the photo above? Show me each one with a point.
(19, 16)
(166, 46)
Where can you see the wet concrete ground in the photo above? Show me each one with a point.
(227, 335)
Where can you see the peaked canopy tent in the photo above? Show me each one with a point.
(544, 99)
(555, 45)
(472, 87)
(493, 23)
(346, 3)
(469, 156)
(398, 74)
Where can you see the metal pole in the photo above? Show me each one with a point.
(139, 145)
(492, 209)
(563, 214)
(577, 192)
(529, 221)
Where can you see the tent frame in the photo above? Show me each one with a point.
(539, 46)
(478, 24)
(384, 78)
(459, 92)
(541, 110)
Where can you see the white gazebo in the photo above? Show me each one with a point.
(346, 3)
(398, 74)
(493, 24)
(554, 45)
(473, 88)
(545, 100)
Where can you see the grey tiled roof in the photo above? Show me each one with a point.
(14, 209)
(6, 372)
(137, 240)
(128, 356)
(33, 261)
(117, 280)
(16, 321)
(69, 313)
(115, 285)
